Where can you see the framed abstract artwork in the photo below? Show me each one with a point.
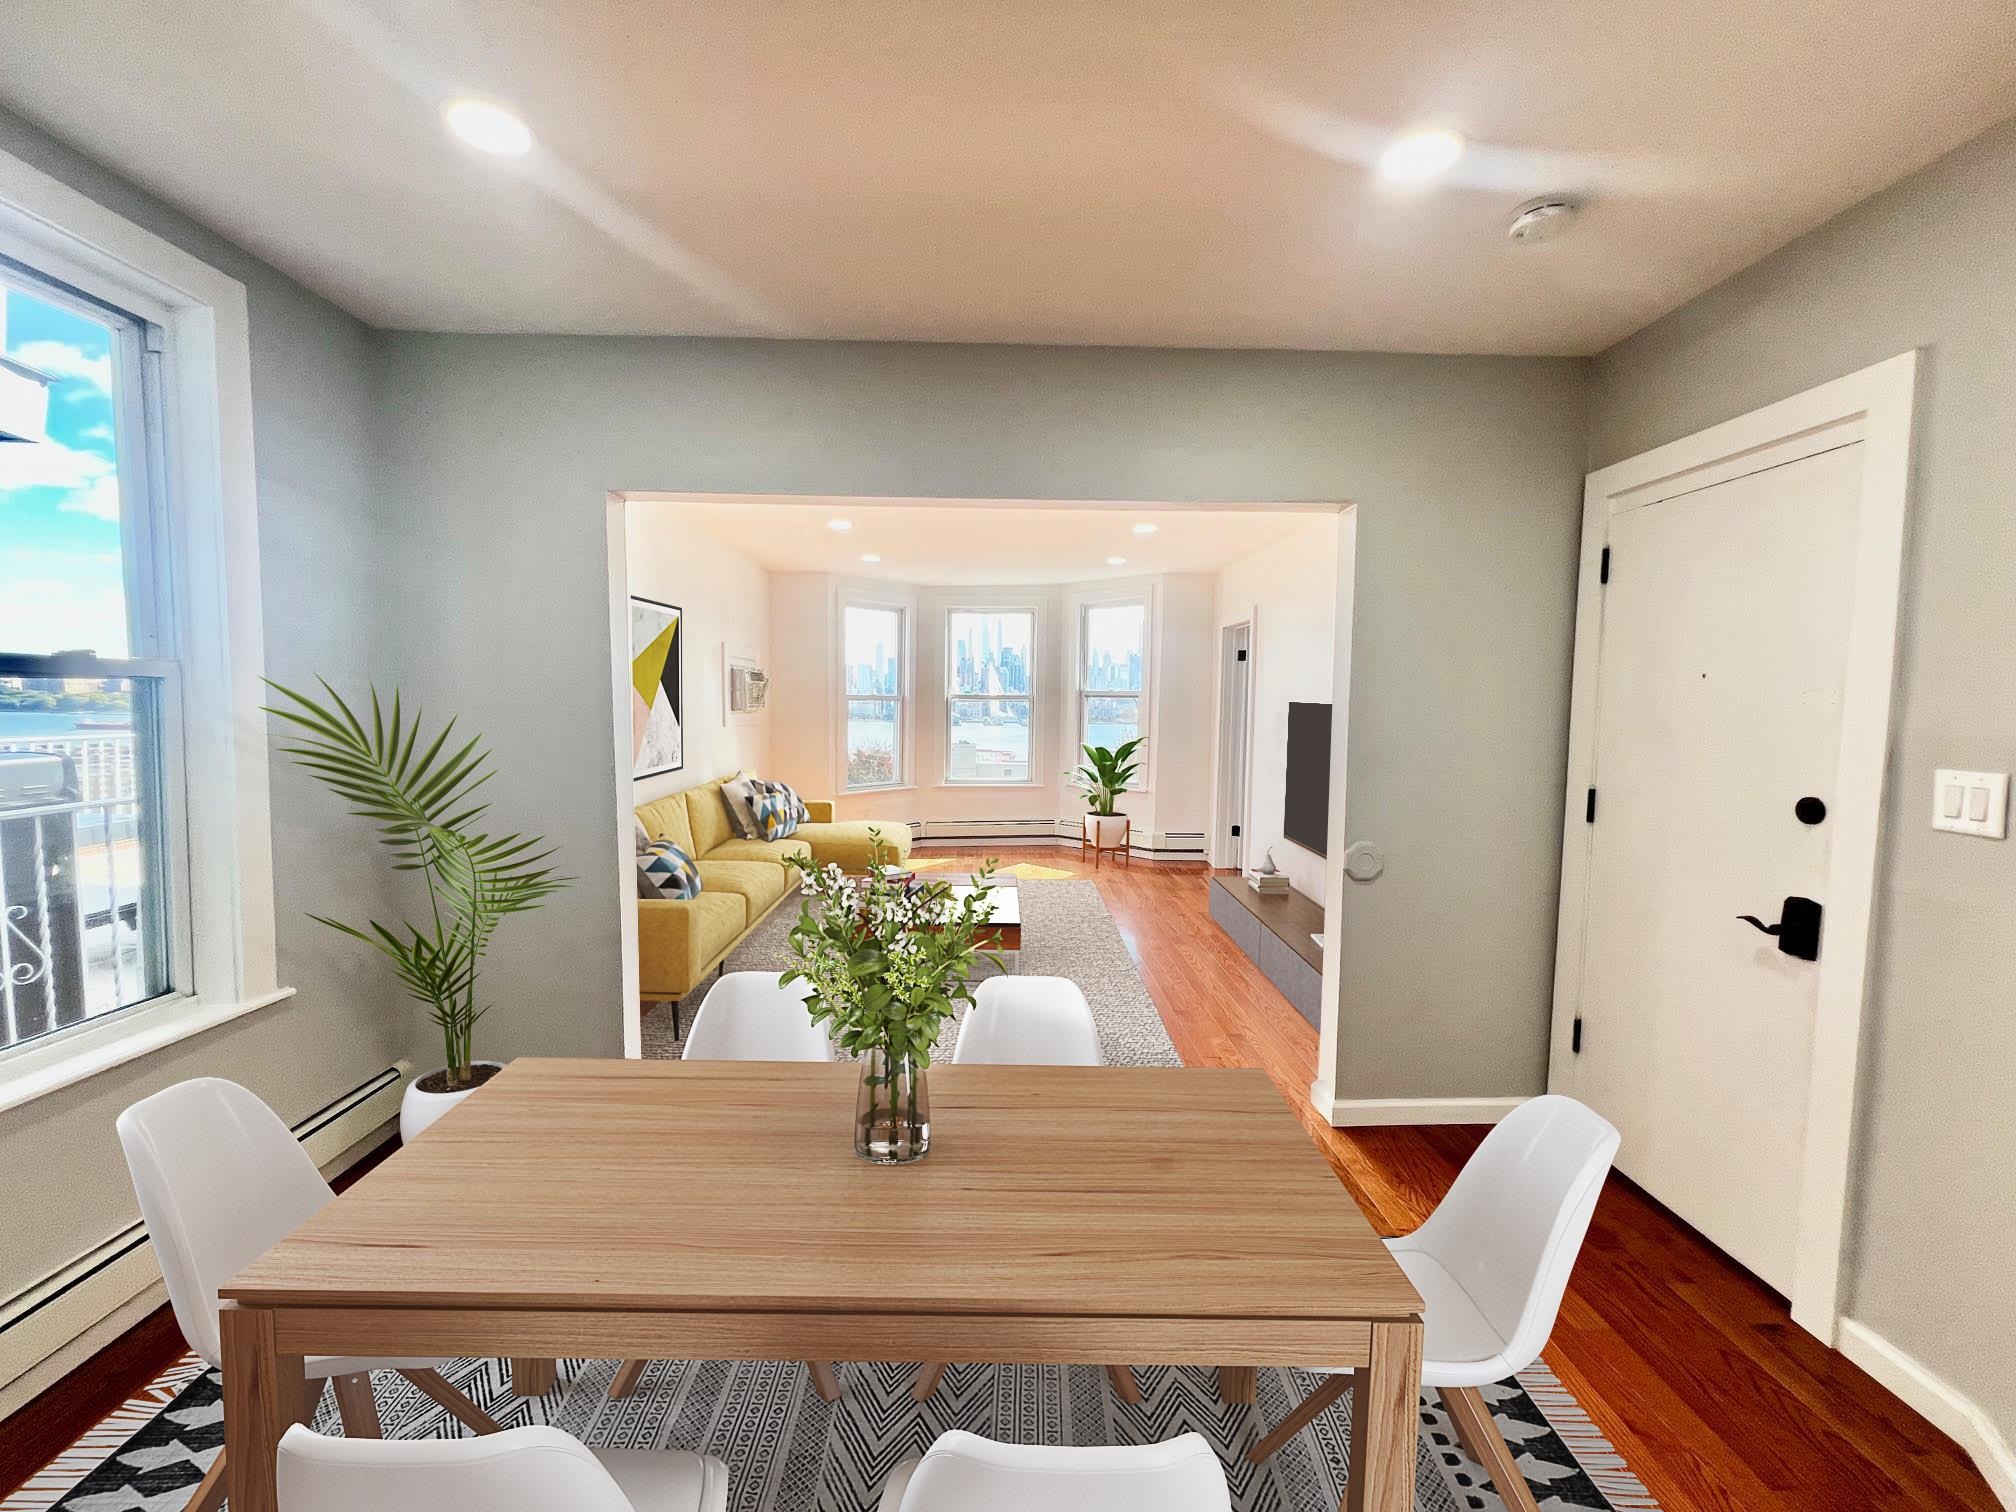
(657, 707)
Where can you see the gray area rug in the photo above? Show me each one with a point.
(1066, 931)
(787, 1451)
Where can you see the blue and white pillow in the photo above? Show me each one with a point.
(777, 815)
(665, 871)
(742, 795)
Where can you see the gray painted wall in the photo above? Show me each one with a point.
(1467, 473)
(63, 1185)
(1929, 263)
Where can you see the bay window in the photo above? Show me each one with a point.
(1112, 672)
(989, 695)
(876, 679)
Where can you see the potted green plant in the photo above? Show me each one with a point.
(420, 794)
(1105, 777)
(888, 959)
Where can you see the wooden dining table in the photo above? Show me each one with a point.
(1106, 1215)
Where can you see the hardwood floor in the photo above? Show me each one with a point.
(1688, 1365)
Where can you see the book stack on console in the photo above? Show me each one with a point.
(1267, 882)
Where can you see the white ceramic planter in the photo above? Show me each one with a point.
(1108, 830)
(419, 1111)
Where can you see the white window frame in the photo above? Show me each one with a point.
(902, 697)
(207, 544)
(1143, 699)
(954, 698)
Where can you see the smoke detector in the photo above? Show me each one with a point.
(1542, 219)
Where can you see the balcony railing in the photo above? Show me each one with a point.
(72, 918)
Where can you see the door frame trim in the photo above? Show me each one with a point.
(1874, 406)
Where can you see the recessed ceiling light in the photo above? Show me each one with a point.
(1420, 155)
(870, 558)
(840, 525)
(1144, 528)
(488, 128)
(1116, 561)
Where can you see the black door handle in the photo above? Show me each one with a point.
(1797, 930)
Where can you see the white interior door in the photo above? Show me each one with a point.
(1718, 708)
(1235, 699)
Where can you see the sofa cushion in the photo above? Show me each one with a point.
(677, 941)
(759, 809)
(709, 817)
(665, 871)
(850, 843)
(773, 851)
(665, 819)
(759, 882)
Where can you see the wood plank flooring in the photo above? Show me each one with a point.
(1689, 1366)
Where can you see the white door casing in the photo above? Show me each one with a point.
(1235, 706)
(1800, 507)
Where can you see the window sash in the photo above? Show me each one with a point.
(952, 704)
(899, 763)
(1085, 701)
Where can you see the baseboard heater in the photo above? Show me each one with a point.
(47, 1314)
(1050, 832)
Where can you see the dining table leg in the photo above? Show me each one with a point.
(1385, 1421)
(265, 1392)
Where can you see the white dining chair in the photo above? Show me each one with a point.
(1029, 1021)
(518, 1470)
(1491, 1264)
(221, 1180)
(962, 1472)
(751, 1016)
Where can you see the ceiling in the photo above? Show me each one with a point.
(957, 543)
(1136, 172)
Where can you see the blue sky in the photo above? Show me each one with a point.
(61, 585)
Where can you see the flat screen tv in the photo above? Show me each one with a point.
(1307, 820)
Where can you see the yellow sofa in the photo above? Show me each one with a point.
(741, 881)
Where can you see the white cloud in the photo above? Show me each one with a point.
(97, 433)
(59, 359)
(50, 464)
(100, 499)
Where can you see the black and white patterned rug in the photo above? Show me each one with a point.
(787, 1451)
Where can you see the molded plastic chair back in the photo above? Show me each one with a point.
(221, 1180)
(750, 1015)
(518, 1470)
(966, 1473)
(1029, 1021)
(1514, 1220)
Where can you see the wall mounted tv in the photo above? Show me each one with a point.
(1307, 820)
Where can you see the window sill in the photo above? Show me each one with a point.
(870, 792)
(42, 1066)
(967, 787)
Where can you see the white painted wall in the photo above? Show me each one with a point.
(1289, 590)
(725, 596)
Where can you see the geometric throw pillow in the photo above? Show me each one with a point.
(777, 815)
(665, 871)
(741, 796)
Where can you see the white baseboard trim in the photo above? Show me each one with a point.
(1942, 1404)
(1370, 1112)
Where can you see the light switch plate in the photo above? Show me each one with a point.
(1958, 795)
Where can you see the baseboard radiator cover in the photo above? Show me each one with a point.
(44, 1316)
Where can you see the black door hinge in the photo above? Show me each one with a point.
(1235, 830)
(1242, 656)
(1589, 808)
(1575, 1044)
(1603, 572)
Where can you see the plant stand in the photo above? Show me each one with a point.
(1096, 837)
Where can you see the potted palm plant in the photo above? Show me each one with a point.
(888, 959)
(1105, 777)
(420, 794)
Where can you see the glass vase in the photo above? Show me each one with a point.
(892, 1110)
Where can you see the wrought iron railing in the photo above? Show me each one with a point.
(71, 914)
